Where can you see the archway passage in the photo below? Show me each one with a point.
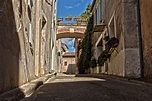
(70, 31)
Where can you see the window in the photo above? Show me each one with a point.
(43, 21)
(65, 63)
(29, 13)
(101, 18)
(96, 16)
(20, 9)
(112, 28)
(30, 37)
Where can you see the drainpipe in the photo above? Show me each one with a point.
(140, 39)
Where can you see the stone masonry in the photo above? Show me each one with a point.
(120, 18)
(123, 13)
(26, 42)
(146, 27)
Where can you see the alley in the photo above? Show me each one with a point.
(85, 88)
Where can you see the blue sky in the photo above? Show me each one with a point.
(71, 8)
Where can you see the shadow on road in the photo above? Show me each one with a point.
(86, 88)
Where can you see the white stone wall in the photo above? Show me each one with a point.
(25, 51)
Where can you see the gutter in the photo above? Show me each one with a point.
(140, 38)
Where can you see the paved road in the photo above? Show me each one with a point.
(71, 88)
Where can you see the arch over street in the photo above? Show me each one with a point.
(71, 31)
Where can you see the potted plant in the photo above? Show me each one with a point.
(102, 58)
(114, 42)
(108, 45)
(106, 38)
(93, 63)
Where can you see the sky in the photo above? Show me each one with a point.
(71, 8)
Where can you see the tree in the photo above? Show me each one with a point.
(87, 13)
(85, 57)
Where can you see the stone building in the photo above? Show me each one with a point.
(146, 35)
(61, 49)
(118, 19)
(77, 46)
(27, 41)
(68, 63)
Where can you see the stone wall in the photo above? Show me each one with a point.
(121, 20)
(96, 21)
(10, 50)
(115, 13)
(146, 27)
(25, 41)
(71, 64)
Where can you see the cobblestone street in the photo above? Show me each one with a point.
(84, 88)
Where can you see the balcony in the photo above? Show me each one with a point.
(99, 27)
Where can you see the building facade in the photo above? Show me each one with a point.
(118, 19)
(27, 41)
(61, 49)
(68, 63)
(146, 36)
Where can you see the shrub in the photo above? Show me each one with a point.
(111, 43)
(93, 63)
(114, 42)
(85, 57)
(102, 58)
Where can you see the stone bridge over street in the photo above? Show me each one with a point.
(71, 31)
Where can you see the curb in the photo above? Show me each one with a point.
(129, 80)
(25, 90)
(132, 80)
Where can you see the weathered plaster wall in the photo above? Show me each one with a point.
(95, 35)
(146, 27)
(117, 60)
(71, 65)
(10, 51)
(124, 13)
(25, 40)
(131, 39)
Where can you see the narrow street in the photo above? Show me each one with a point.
(84, 88)
(107, 43)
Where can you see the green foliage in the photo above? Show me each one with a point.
(102, 58)
(114, 42)
(85, 58)
(87, 13)
(93, 63)
(108, 45)
(111, 43)
(90, 25)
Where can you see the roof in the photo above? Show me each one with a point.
(69, 54)
(64, 47)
